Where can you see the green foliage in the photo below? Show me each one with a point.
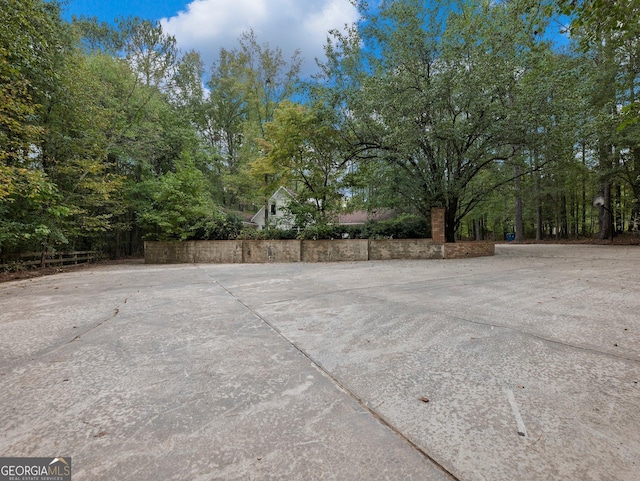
(179, 207)
(404, 226)
(251, 233)
(321, 231)
(303, 148)
(436, 108)
(32, 213)
(26, 55)
(592, 19)
(247, 85)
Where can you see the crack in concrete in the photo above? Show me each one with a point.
(116, 311)
(59, 343)
(546, 339)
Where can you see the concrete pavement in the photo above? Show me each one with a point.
(529, 361)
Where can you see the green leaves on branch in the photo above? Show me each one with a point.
(303, 150)
(179, 207)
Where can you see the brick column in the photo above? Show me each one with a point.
(437, 225)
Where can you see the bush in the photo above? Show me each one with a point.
(318, 231)
(329, 231)
(405, 226)
(218, 227)
(178, 206)
(249, 233)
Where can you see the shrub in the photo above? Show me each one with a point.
(405, 226)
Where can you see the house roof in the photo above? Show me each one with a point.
(253, 219)
(282, 189)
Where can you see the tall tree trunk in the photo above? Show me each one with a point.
(575, 214)
(519, 219)
(605, 213)
(584, 191)
(634, 222)
(618, 221)
(450, 220)
(538, 195)
(564, 221)
(606, 103)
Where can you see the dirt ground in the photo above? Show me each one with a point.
(48, 271)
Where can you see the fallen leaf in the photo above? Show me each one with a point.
(424, 399)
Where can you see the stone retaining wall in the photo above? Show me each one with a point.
(272, 251)
(265, 251)
(386, 249)
(460, 250)
(335, 250)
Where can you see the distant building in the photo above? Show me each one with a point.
(278, 216)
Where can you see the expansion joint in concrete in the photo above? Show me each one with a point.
(380, 418)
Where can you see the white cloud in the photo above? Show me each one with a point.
(209, 25)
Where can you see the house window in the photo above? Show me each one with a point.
(273, 209)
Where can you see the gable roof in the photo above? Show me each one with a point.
(284, 190)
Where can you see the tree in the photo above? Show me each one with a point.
(187, 89)
(247, 85)
(179, 207)
(146, 117)
(303, 150)
(435, 105)
(608, 35)
(150, 52)
(29, 43)
(74, 151)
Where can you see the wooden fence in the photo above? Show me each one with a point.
(31, 259)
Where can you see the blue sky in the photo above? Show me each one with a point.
(107, 10)
(209, 25)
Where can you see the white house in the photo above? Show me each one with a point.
(277, 216)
